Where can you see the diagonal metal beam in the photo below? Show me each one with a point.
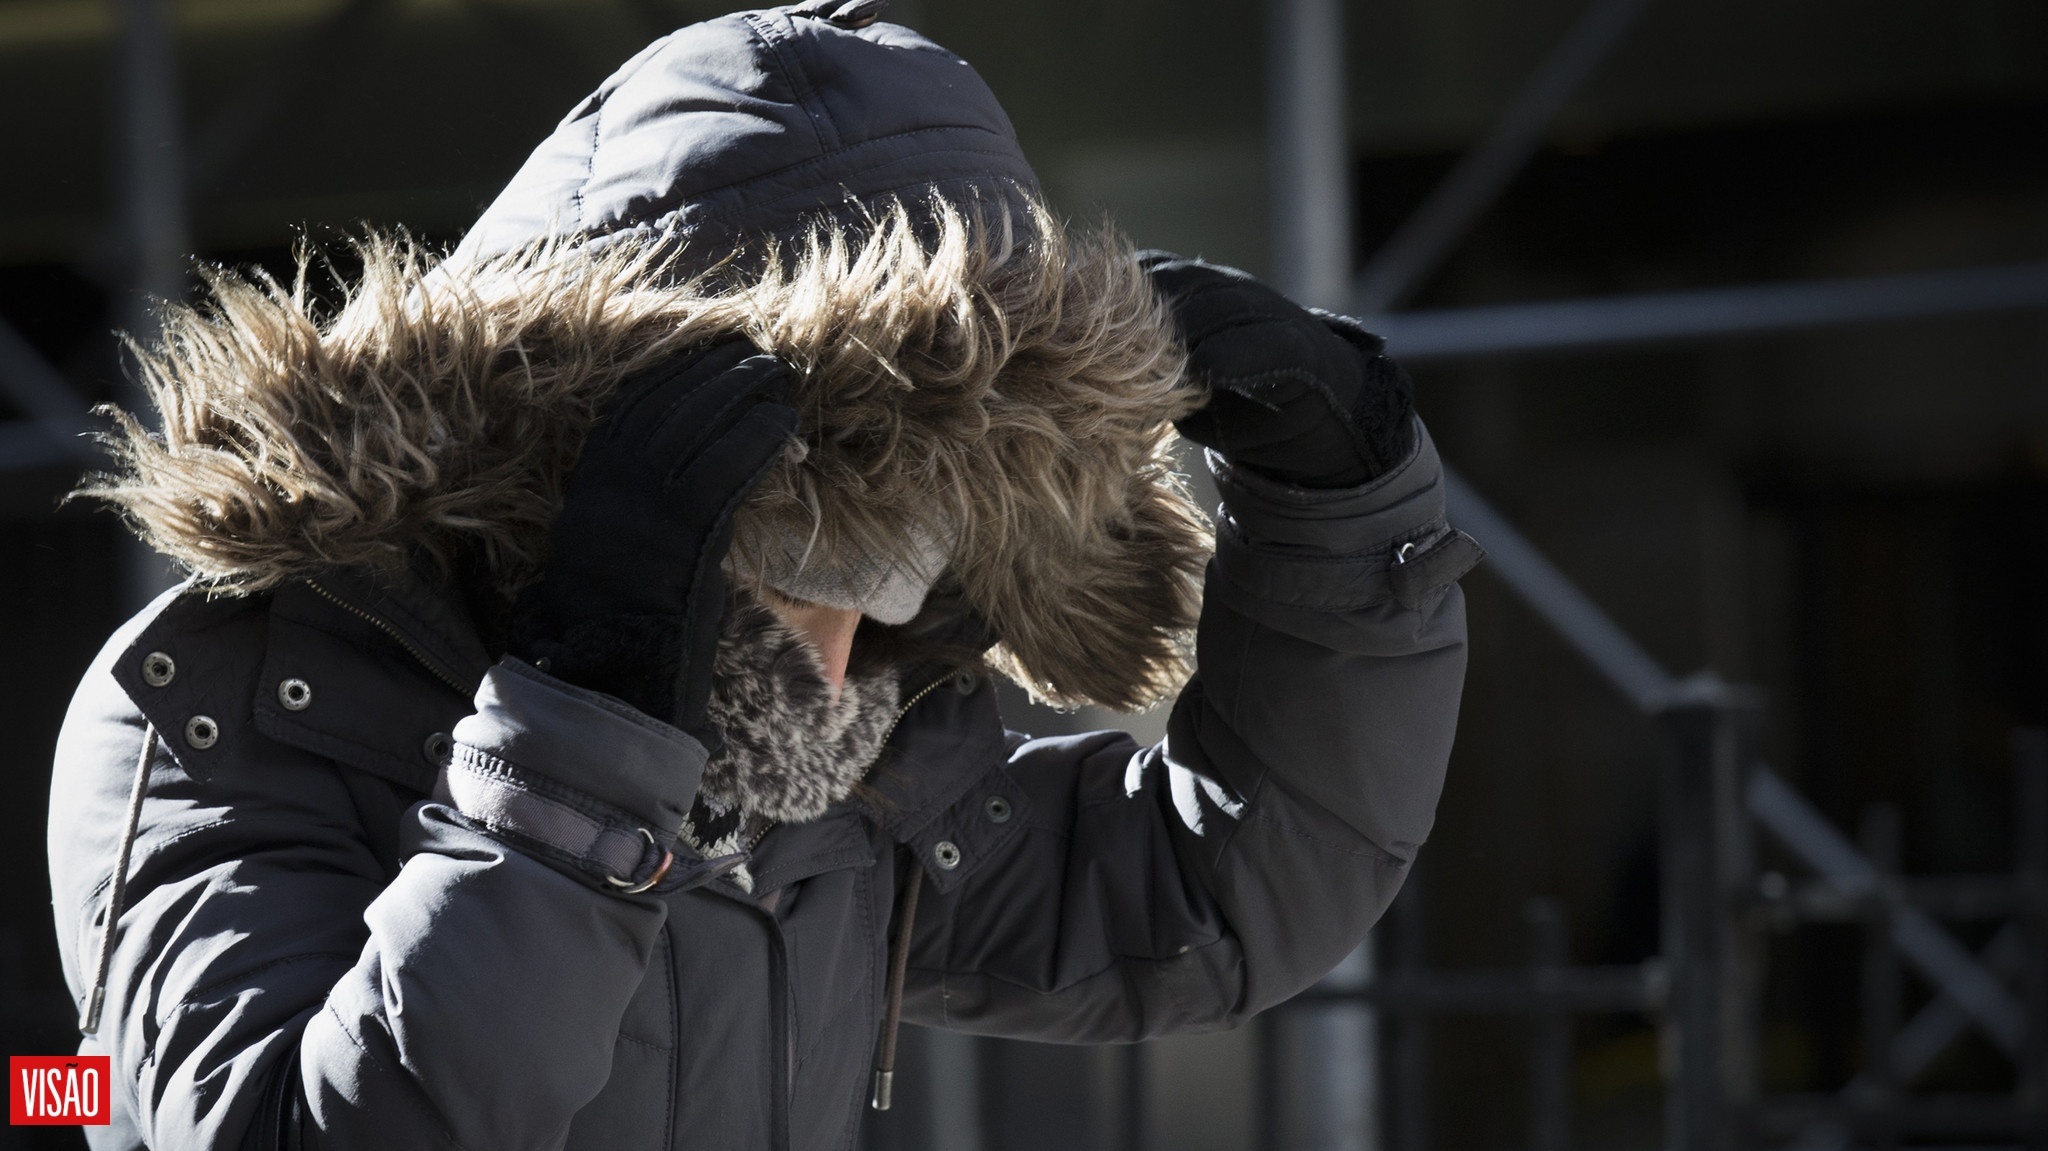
(1422, 241)
(1938, 1023)
(1572, 325)
(27, 444)
(1918, 937)
(1558, 601)
(1773, 802)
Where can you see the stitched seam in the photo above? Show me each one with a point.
(1344, 418)
(865, 894)
(675, 1024)
(770, 880)
(1279, 492)
(590, 159)
(538, 849)
(483, 763)
(274, 715)
(363, 822)
(946, 952)
(1379, 556)
(827, 1018)
(1165, 984)
(1242, 662)
(865, 887)
(616, 706)
(519, 830)
(1372, 852)
(806, 193)
(1116, 964)
(99, 888)
(188, 833)
(1383, 591)
(522, 838)
(237, 978)
(771, 39)
(447, 1130)
(753, 205)
(1313, 604)
(649, 1044)
(806, 93)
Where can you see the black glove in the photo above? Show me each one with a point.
(633, 594)
(1305, 397)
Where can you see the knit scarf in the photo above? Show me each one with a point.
(790, 750)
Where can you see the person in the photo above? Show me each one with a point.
(579, 727)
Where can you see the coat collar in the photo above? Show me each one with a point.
(946, 751)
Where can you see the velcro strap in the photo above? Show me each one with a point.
(578, 830)
(1415, 576)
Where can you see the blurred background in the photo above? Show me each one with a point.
(1730, 315)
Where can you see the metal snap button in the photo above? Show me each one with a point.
(158, 669)
(946, 854)
(201, 732)
(438, 748)
(295, 694)
(998, 809)
(965, 682)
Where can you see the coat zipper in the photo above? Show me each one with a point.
(783, 1061)
(905, 710)
(784, 1066)
(755, 839)
(394, 633)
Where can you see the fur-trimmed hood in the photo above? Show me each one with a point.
(841, 191)
(1013, 382)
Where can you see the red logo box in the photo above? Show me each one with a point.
(58, 1090)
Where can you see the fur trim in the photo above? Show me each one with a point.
(1011, 381)
(789, 749)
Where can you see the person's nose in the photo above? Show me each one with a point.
(830, 630)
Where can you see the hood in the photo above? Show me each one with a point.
(728, 137)
(1015, 390)
(844, 193)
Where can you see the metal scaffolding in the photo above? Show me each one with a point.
(1716, 796)
(1714, 792)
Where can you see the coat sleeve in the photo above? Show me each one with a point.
(1190, 884)
(273, 986)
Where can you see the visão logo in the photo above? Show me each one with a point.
(66, 1090)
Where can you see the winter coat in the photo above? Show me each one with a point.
(372, 891)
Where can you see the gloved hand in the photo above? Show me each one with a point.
(1305, 397)
(633, 593)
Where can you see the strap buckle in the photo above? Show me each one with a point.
(630, 887)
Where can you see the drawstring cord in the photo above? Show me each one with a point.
(892, 1013)
(117, 893)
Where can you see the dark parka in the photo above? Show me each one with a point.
(320, 944)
